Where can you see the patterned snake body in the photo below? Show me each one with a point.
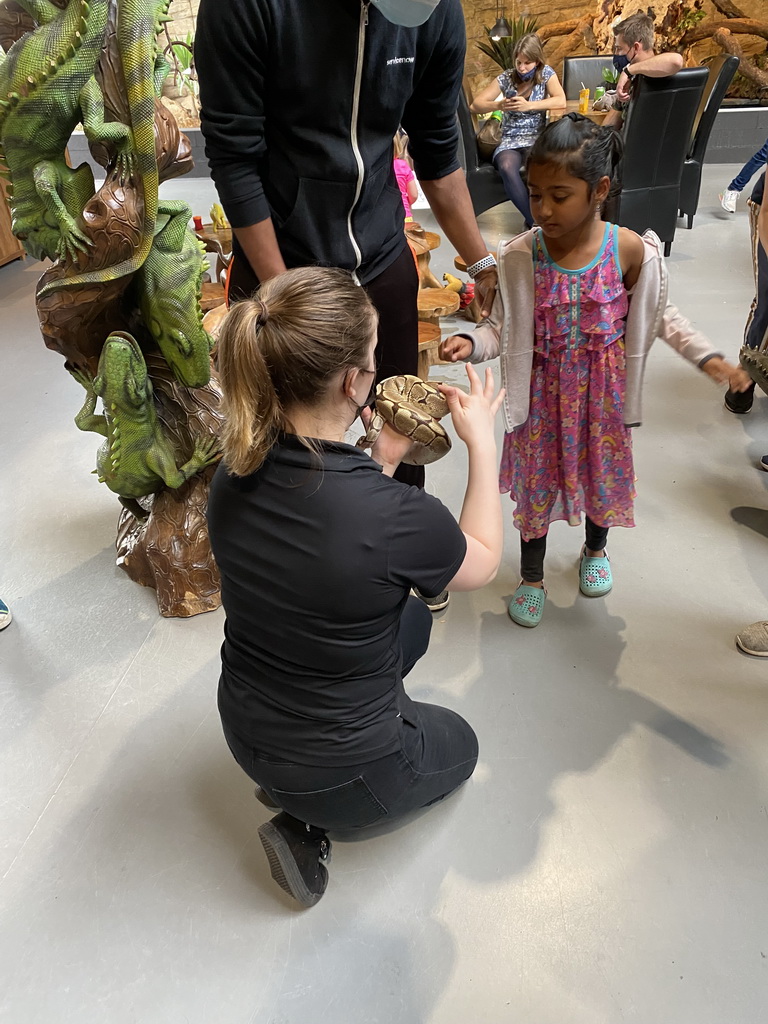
(412, 407)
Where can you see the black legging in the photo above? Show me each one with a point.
(532, 552)
(509, 163)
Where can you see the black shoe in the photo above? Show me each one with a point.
(435, 604)
(740, 402)
(296, 854)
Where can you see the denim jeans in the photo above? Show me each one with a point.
(438, 752)
(750, 167)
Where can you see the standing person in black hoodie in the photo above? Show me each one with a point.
(300, 102)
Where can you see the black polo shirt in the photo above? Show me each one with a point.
(317, 554)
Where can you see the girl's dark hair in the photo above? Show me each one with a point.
(284, 347)
(584, 149)
(528, 46)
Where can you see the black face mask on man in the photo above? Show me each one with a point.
(621, 62)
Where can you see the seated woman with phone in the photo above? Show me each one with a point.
(524, 93)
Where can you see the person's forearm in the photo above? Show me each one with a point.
(549, 103)
(452, 206)
(486, 106)
(259, 243)
(481, 516)
(661, 66)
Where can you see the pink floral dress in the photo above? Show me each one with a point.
(573, 455)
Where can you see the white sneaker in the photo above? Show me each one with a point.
(5, 615)
(728, 200)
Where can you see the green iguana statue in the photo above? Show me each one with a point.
(169, 287)
(47, 86)
(39, 109)
(137, 458)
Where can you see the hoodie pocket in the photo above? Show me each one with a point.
(315, 231)
(379, 215)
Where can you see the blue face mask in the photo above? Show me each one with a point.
(620, 61)
(409, 13)
(527, 76)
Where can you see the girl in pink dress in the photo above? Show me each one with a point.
(406, 179)
(580, 302)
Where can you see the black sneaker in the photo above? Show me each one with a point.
(435, 604)
(740, 402)
(296, 855)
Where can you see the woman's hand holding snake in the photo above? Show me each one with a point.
(390, 447)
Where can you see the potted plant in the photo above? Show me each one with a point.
(502, 50)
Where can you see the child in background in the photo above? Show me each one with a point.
(579, 305)
(406, 179)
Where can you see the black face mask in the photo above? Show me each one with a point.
(369, 399)
(620, 61)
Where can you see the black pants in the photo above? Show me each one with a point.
(394, 294)
(532, 552)
(438, 752)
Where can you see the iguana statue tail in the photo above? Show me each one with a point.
(138, 23)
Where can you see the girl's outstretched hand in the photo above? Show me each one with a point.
(455, 348)
(473, 414)
(723, 372)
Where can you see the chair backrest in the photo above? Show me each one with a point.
(658, 127)
(588, 70)
(656, 132)
(721, 71)
(468, 131)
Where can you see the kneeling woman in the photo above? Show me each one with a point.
(318, 549)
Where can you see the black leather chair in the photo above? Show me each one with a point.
(483, 180)
(588, 70)
(721, 72)
(657, 133)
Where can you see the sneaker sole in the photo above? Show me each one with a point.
(437, 607)
(755, 654)
(762, 465)
(6, 620)
(737, 412)
(283, 866)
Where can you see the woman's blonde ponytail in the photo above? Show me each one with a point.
(282, 349)
(250, 404)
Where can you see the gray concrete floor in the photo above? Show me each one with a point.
(607, 861)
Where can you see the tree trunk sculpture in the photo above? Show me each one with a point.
(120, 300)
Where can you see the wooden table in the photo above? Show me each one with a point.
(572, 106)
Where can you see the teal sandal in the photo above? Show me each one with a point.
(595, 576)
(527, 605)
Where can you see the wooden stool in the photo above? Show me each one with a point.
(422, 243)
(219, 242)
(213, 295)
(429, 341)
(436, 302)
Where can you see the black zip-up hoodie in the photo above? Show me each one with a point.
(300, 102)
